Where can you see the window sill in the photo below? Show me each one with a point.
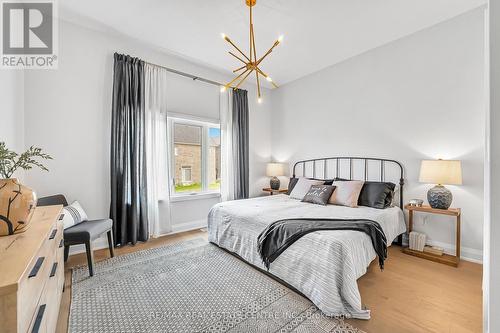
(196, 196)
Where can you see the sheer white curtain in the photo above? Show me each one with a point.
(157, 166)
(227, 187)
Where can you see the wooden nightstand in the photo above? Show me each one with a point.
(445, 258)
(271, 191)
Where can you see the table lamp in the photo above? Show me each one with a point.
(274, 170)
(440, 172)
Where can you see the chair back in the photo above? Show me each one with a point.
(52, 200)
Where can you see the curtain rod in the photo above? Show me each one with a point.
(194, 77)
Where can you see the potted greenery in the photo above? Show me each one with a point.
(17, 202)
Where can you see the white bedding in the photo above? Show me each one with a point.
(323, 265)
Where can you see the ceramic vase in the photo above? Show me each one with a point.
(275, 183)
(17, 204)
(439, 197)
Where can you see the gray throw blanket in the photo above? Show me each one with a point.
(279, 235)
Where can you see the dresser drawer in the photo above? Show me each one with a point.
(40, 318)
(29, 297)
(31, 286)
(34, 281)
(47, 309)
(53, 295)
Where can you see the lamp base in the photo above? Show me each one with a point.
(274, 183)
(439, 197)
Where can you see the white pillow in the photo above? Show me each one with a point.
(346, 193)
(302, 187)
(73, 214)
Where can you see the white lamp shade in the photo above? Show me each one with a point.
(275, 169)
(445, 172)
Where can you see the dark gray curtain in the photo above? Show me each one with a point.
(128, 149)
(240, 143)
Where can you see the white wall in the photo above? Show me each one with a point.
(491, 275)
(68, 113)
(12, 109)
(416, 98)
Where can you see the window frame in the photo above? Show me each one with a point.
(205, 125)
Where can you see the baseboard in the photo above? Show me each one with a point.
(102, 243)
(466, 253)
(182, 227)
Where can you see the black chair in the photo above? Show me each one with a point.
(82, 233)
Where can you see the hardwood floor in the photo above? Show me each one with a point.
(410, 295)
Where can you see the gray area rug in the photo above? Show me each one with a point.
(193, 286)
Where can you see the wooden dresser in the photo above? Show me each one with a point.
(32, 274)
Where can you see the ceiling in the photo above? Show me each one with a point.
(317, 33)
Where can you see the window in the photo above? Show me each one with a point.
(186, 175)
(195, 162)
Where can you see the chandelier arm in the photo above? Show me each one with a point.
(236, 78)
(276, 43)
(234, 55)
(262, 72)
(265, 75)
(236, 47)
(258, 83)
(243, 79)
(239, 69)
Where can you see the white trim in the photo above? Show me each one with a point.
(191, 118)
(205, 126)
(466, 253)
(194, 196)
(188, 226)
(102, 243)
(98, 244)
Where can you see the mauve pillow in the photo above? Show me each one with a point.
(319, 194)
(346, 193)
(302, 187)
(376, 194)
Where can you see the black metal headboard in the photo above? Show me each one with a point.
(365, 161)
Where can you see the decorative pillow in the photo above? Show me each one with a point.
(73, 214)
(346, 193)
(293, 182)
(376, 194)
(319, 194)
(302, 187)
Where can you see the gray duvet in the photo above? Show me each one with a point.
(323, 265)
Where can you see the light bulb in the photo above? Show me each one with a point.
(259, 100)
(280, 38)
(223, 88)
(269, 79)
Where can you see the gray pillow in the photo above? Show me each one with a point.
(319, 194)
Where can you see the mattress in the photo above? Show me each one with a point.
(323, 265)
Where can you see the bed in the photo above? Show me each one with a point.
(324, 265)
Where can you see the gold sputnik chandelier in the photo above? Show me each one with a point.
(250, 63)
